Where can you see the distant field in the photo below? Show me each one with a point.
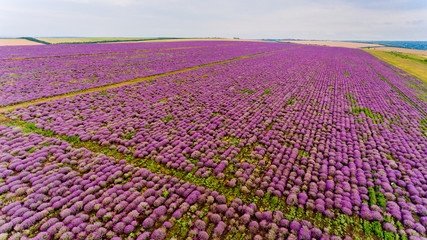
(100, 40)
(411, 63)
(87, 40)
(403, 50)
(203, 39)
(17, 42)
(336, 44)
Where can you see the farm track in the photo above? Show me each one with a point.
(336, 224)
(130, 82)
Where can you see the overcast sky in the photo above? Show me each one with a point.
(302, 19)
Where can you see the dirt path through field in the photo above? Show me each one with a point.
(133, 81)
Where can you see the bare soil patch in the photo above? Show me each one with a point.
(17, 42)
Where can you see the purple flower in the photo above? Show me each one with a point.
(177, 214)
(389, 227)
(292, 199)
(119, 227)
(200, 225)
(144, 236)
(302, 198)
(48, 224)
(128, 229)
(202, 235)
(316, 233)
(65, 213)
(192, 198)
(89, 207)
(253, 227)
(7, 227)
(160, 211)
(219, 229)
(167, 225)
(284, 223)
(304, 234)
(420, 228)
(148, 223)
(295, 226)
(67, 236)
(159, 234)
(221, 199)
(215, 218)
(377, 216)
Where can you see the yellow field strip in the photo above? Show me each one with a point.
(416, 68)
(115, 85)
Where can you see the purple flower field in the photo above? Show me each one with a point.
(42, 51)
(306, 142)
(74, 193)
(33, 78)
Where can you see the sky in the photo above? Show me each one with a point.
(394, 20)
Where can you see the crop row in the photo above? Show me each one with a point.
(51, 190)
(315, 126)
(29, 79)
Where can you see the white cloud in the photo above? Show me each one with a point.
(309, 19)
(121, 2)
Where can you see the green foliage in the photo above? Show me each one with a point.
(72, 139)
(32, 150)
(129, 135)
(292, 213)
(35, 40)
(129, 157)
(300, 212)
(267, 91)
(351, 98)
(245, 90)
(404, 56)
(102, 93)
(290, 101)
(390, 236)
(372, 196)
(165, 194)
(346, 73)
(378, 230)
(367, 227)
(303, 153)
(375, 116)
(267, 196)
(32, 126)
(167, 118)
(381, 200)
(49, 133)
(423, 124)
